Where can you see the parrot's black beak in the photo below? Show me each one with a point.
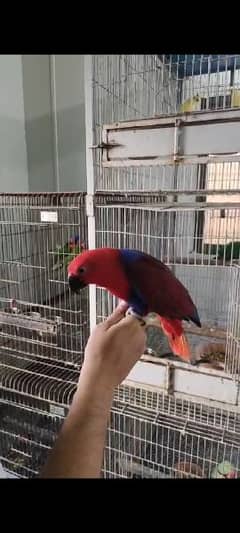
(76, 285)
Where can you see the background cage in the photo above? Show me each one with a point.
(43, 326)
(154, 435)
(182, 207)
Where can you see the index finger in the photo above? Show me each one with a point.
(117, 315)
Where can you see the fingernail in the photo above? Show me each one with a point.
(122, 305)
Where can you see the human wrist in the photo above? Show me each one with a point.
(94, 393)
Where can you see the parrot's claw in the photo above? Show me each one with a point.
(131, 312)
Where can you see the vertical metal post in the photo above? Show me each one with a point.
(52, 65)
(88, 87)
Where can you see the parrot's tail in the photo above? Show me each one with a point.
(176, 338)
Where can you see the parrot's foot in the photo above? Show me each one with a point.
(151, 319)
(131, 312)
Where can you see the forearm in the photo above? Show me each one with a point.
(78, 451)
(112, 350)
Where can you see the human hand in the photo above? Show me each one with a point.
(112, 350)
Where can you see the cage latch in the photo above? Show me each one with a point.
(177, 140)
(105, 146)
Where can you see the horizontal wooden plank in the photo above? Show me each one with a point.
(185, 138)
(197, 383)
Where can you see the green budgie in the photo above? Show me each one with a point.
(65, 254)
(224, 470)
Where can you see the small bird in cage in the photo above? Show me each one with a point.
(235, 98)
(192, 104)
(224, 470)
(146, 283)
(64, 254)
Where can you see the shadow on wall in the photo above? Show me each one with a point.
(71, 148)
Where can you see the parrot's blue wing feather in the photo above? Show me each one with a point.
(155, 286)
(136, 299)
(137, 303)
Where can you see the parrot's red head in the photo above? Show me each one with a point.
(101, 267)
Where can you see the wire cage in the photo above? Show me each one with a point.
(39, 317)
(154, 435)
(187, 215)
(127, 87)
(43, 327)
(173, 235)
(232, 362)
(25, 438)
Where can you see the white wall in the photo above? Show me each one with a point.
(69, 77)
(70, 124)
(13, 158)
(38, 122)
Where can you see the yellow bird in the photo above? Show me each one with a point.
(235, 98)
(192, 104)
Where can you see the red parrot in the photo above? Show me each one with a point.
(145, 283)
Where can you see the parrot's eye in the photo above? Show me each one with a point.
(82, 270)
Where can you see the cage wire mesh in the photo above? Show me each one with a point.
(26, 436)
(154, 435)
(187, 216)
(43, 326)
(146, 223)
(39, 316)
(232, 362)
(127, 87)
